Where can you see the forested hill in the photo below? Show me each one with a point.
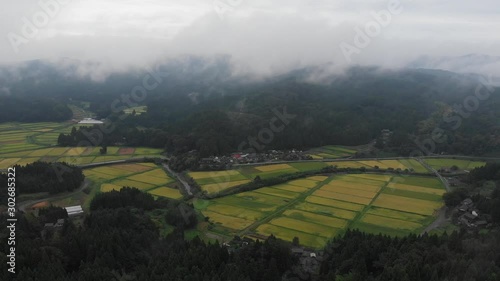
(32, 109)
(200, 105)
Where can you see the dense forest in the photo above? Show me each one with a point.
(44, 177)
(206, 108)
(33, 109)
(365, 257)
(118, 241)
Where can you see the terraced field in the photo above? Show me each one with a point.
(315, 209)
(331, 152)
(22, 143)
(145, 176)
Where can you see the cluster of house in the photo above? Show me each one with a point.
(309, 261)
(50, 228)
(226, 162)
(386, 135)
(469, 215)
(89, 121)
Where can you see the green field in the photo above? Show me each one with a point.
(446, 163)
(23, 143)
(145, 176)
(213, 182)
(316, 209)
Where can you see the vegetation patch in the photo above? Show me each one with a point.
(405, 204)
(166, 192)
(304, 226)
(390, 222)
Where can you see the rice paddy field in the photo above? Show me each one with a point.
(331, 152)
(147, 177)
(315, 209)
(446, 163)
(23, 143)
(213, 182)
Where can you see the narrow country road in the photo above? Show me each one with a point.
(440, 220)
(187, 187)
(441, 178)
(24, 204)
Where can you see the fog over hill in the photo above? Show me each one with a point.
(261, 37)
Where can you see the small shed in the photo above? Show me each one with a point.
(74, 210)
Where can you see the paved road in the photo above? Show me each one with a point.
(24, 204)
(186, 185)
(441, 178)
(371, 159)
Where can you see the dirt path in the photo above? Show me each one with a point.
(440, 221)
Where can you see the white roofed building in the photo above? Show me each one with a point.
(74, 210)
(90, 121)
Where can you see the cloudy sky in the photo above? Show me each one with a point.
(260, 35)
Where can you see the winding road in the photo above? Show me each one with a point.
(24, 204)
(186, 185)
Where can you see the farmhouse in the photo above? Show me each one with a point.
(90, 121)
(74, 210)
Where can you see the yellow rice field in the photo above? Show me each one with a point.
(303, 183)
(227, 221)
(351, 185)
(416, 188)
(372, 177)
(276, 167)
(136, 184)
(292, 188)
(349, 191)
(106, 187)
(203, 175)
(390, 222)
(135, 168)
(235, 211)
(217, 187)
(289, 234)
(395, 164)
(166, 192)
(347, 164)
(278, 192)
(325, 210)
(406, 204)
(334, 203)
(342, 197)
(9, 162)
(150, 179)
(319, 219)
(395, 214)
(317, 178)
(307, 227)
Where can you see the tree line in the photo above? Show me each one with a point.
(44, 177)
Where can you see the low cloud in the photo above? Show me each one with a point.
(260, 37)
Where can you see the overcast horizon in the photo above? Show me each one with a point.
(259, 36)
